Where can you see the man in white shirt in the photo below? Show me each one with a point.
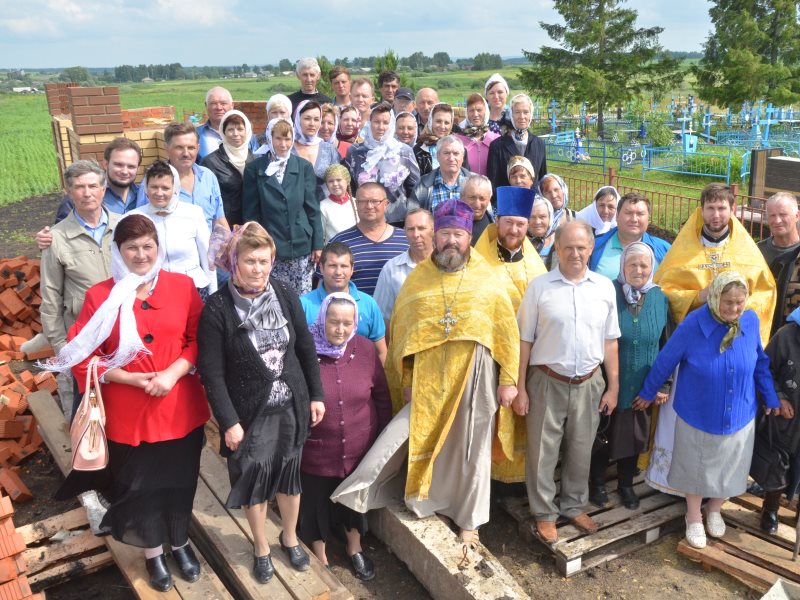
(419, 231)
(568, 326)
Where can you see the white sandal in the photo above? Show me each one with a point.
(715, 526)
(695, 535)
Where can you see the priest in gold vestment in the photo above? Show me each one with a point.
(515, 263)
(453, 358)
(711, 241)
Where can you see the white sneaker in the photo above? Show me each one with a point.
(695, 535)
(715, 525)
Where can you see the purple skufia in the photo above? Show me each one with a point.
(453, 213)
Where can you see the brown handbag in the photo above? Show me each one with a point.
(88, 430)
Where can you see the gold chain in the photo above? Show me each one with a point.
(449, 320)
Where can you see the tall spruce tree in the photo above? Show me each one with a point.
(603, 58)
(752, 54)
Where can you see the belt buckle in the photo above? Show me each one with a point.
(573, 380)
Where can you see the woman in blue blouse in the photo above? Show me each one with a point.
(722, 364)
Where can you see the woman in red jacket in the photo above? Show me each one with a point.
(142, 324)
(358, 407)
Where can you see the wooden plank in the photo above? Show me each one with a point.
(218, 482)
(69, 571)
(785, 514)
(433, 554)
(766, 554)
(207, 587)
(44, 557)
(40, 530)
(636, 524)
(751, 575)
(220, 538)
(305, 585)
(750, 521)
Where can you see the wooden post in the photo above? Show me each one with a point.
(612, 176)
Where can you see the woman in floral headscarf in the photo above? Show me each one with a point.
(385, 160)
(721, 364)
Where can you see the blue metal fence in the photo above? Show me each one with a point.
(672, 159)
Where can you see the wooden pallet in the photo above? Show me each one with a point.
(747, 553)
(620, 530)
(61, 548)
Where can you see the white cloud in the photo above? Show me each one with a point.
(27, 26)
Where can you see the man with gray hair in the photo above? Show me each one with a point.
(79, 255)
(568, 326)
(781, 251)
(445, 181)
(218, 102)
(426, 99)
(308, 72)
(477, 192)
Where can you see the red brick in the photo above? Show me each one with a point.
(88, 129)
(40, 355)
(79, 100)
(111, 90)
(106, 119)
(12, 301)
(14, 487)
(84, 91)
(8, 569)
(11, 429)
(6, 508)
(112, 100)
(88, 110)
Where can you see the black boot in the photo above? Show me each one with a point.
(598, 494)
(769, 521)
(188, 564)
(629, 498)
(160, 579)
(363, 566)
(262, 568)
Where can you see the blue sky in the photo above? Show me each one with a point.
(105, 33)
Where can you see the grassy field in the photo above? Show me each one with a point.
(28, 160)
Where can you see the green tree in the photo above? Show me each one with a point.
(76, 74)
(388, 62)
(753, 53)
(324, 84)
(441, 59)
(485, 61)
(604, 58)
(418, 61)
(286, 65)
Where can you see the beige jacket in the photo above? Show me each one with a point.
(70, 266)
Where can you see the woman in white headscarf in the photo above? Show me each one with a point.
(229, 160)
(278, 107)
(280, 193)
(385, 160)
(181, 227)
(554, 188)
(601, 214)
(440, 124)
(496, 92)
(142, 326)
(476, 133)
(406, 128)
(309, 145)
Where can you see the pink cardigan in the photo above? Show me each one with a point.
(478, 152)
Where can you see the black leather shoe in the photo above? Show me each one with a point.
(262, 568)
(363, 566)
(769, 522)
(598, 495)
(160, 579)
(297, 556)
(188, 564)
(629, 498)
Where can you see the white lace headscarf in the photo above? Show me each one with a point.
(383, 163)
(118, 306)
(299, 136)
(277, 161)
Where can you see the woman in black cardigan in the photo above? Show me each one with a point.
(259, 366)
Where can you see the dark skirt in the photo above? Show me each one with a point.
(151, 489)
(628, 432)
(319, 516)
(267, 461)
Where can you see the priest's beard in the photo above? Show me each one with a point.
(450, 258)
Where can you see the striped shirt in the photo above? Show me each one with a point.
(369, 257)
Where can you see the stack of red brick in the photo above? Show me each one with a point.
(153, 116)
(13, 583)
(19, 308)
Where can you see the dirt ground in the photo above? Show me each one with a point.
(655, 571)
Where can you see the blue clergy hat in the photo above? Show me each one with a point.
(514, 201)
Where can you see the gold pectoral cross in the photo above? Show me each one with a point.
(715, 265)
(449, 321)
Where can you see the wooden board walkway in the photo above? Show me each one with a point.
(747, 553)
(221, 537)
(620, 530)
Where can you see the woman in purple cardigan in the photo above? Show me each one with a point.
(358, 407)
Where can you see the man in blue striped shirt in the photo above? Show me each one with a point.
(372, 241)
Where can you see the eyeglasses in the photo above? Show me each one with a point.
(370, 202)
